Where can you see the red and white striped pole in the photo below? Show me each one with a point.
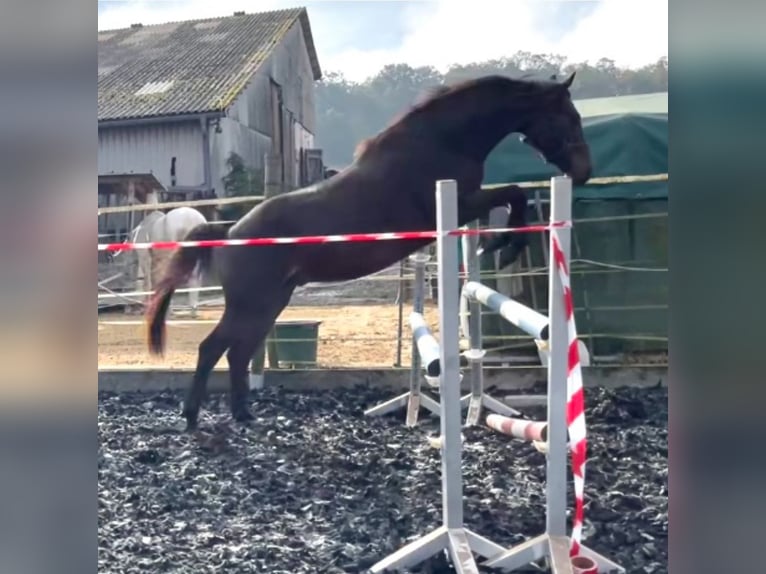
(318, 239)
(575, 396)
(518, 428)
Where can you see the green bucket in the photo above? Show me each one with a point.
(296, 343)
(290, 344)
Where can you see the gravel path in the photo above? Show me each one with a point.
(314, 487)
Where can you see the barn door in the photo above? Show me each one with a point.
(289, 149)
(277, 123)
(314, 166)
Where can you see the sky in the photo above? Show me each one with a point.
(359, 37)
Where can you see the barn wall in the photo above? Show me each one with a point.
(249, 130)
(150, 148)
(236, 137)
(288, 66)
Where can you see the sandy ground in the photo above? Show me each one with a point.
(349, 336)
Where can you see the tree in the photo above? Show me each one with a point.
(240, 181)
(349, 112)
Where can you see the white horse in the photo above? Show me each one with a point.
(170, 226)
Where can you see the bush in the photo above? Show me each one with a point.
(240, 181)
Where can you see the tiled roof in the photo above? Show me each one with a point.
(188, 67)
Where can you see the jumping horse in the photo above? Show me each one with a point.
(388, 187)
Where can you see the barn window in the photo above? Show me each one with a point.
(154, 88)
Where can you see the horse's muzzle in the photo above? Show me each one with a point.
(579, 160)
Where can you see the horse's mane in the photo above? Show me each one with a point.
(437, 95)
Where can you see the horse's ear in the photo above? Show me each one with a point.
(568, 82)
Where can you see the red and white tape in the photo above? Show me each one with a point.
(575, 400)
(313, 239)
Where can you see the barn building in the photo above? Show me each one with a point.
(176, 100)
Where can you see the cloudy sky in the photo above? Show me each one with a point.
(358, 37)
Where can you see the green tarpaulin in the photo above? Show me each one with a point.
(627, 135)
(619, 287)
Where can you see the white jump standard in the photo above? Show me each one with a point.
(415, 397)
(425, 351)
(554, 544)
(472, 329)
(452, 535)
(475, 294)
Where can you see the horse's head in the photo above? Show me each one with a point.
(473, 116)
(470, 118)
(555, 130)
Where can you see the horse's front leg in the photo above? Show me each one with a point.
(480, 203)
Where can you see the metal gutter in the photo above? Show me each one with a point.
(177, 118)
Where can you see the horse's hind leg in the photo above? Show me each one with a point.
(211, 349)
(252, 328)
(239, 356)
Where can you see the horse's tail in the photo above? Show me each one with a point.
(177, 271)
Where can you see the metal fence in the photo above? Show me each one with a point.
(619, 274)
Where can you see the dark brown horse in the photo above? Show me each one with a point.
(389, 187)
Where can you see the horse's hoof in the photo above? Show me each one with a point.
(511, 253)
(243, 415)
(191, 422)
